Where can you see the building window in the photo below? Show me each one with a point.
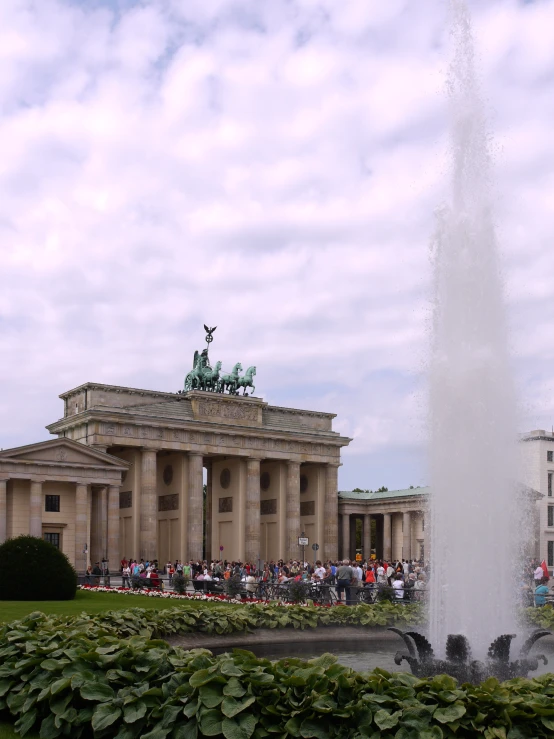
(550, 484)
(225, 478)
(550, 556)
(52, 503)
(550, 456)
(551, 515)
(54, 539)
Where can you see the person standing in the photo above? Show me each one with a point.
(398, 585)
(345, 576)
(541, 591)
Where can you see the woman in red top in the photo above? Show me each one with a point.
(369, 576)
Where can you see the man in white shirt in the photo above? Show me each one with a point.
(398, 585)
(320, 571)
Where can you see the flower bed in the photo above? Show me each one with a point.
(78, 677)
(156, 593)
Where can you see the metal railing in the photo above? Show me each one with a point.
(321, 593)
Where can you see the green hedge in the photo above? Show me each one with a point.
(543, 617)
(104, 676)
(34, 569)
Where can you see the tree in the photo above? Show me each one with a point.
(34, 569)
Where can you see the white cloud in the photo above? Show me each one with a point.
(268, 167)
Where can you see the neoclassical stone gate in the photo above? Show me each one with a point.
(271, 472)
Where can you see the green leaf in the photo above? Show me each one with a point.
(210, 722)
(97, 692)
(211, 695)
(188, 730)
(449, 713)
(52, 665)
(231, 706)
(5, 685)
(25, 722)
(104, 715)
(232, 729)
(318, 729)
(134, 711)
(434, 733)
(234, 688)
(293, 726)
(324, 704)
(201, 677)
(158, 732)
(547, 722)
(60, 685)
(191, 708)
(386, 720)
(248, 723)
(48, 728)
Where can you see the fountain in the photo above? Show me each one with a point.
(458, 662)
(473, 534)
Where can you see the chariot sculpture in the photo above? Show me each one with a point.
(203, 377)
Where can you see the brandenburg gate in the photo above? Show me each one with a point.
(203, 472)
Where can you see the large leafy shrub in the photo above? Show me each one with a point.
(180, 584)
(77, 677)
(34, 569)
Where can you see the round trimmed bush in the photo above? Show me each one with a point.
(33, 569)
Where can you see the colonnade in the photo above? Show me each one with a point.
(106, 500)
(398, 534)
(191, 513)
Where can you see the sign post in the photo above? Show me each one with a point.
(303, 541)
(315, 547)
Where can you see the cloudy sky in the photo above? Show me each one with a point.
(271, 168)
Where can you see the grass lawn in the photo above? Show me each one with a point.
(10, 610)
(8, 732)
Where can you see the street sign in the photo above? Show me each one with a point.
(303, 541)
(315, 547)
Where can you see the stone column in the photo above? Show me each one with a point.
(195, 510)
(81, 527)
(148, 506)
(293, 510)
(252, 512)
(113, 529)
(345, 536)
(407, 535)
(367, 536)
(3, 511)
(387, 536)
(103, 514)
(36, 504)
(209, 505)
(352, 553)
(331, 514)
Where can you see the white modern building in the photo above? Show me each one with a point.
(537, 472)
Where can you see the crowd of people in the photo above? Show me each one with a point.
(407, 578)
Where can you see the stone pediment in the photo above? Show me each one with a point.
(63, 451)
